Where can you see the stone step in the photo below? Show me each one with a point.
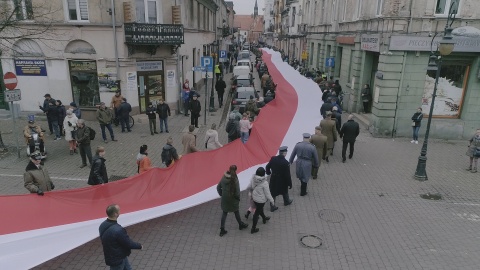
(363, 119)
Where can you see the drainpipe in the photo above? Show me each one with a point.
(394, 131)
(117, 66)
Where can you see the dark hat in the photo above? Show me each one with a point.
(318, 128)
(117, 92)
(195, 94)
(73, 104)
(36, 155)
(47, 95)
(306, 135)
(143, 148)
(283, 149)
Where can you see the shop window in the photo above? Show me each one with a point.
(451, 88)
(443, 7)
(23, 9)
(77, 10)
(84, 79)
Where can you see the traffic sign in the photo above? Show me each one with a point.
(13, 95)
(304, 55)
(223, 54)
(207, 62)
(10, 80)
(203, 69)
(330, 62)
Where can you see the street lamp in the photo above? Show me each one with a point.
(445, 47)
(214, 54)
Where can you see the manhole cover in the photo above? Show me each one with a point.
(429, 196)
(311, 241)
(116, 177)
(331, 215)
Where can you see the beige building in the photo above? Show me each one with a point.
(76, 55)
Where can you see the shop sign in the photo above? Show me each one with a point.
(83, 66)
(132, 81)
(150, 66)
(370, 43)
(30, 67)
(418, 43)
(349, 40)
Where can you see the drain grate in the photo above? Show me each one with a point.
(428, 196)
(311, 241)
(330, 215)
(113, 178)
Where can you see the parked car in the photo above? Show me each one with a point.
(241, 70)
(243, 55)
(242, 95)
(245, 62)
(241, 81)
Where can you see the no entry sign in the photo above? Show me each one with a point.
(10, 80)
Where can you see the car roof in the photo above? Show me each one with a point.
(246, 89)
(243, 77)
(243, 60)
(242, 67)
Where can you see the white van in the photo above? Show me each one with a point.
(245, 62)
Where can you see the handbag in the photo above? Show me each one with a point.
(206, 143)
(413, 123)
(73, 133)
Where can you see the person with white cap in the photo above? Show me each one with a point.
(36, 178)
(307, 159)
(280, 180)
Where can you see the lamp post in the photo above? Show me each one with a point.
(212, 98)
(445, 47)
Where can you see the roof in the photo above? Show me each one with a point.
(243, 22)
(259, 24)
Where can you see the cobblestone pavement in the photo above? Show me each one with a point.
(381, 223)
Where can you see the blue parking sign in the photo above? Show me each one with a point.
(207, 61)
(223, 54)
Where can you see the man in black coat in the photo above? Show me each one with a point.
(220, 86)
(124, 112)
(163, 111)
(349, 133)
(44, 108)
(195, 108)
(281, 180)
(117, 246)
(327, 106)
(98, 172)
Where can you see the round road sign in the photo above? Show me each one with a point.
(10, 80)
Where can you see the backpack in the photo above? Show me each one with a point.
(92, 134)
(166, 156)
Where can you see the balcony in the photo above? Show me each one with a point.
(154, 34)
(226, 31)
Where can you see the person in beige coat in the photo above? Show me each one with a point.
(36, 178)
(329, 129)
(211, 138)
(189, 141)
(320, 142)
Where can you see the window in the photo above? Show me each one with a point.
(77, 10)
(294, 10)
(443, 6)
(358, 12)
(452, 85)
(147, 11)
(379, 7)
(23, 9)
(344, 16)
(84, 79)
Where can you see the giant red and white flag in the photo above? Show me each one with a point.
(66, 219)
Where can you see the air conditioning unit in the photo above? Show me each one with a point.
(176, 14)
(127, 12)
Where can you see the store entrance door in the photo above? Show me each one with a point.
(150, 89)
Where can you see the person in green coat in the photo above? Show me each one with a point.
(229, 190)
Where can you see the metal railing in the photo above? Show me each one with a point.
(154, 34)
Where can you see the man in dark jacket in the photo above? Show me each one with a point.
(98, 172)
(83, 140)
(280, 180)
(233, 128)
(349, 133)
(195, 108)
(152, 118)
(220, 86)
(53, 118)
(326, 107)
(117, 246)
(44, 108)
(163, 111)
(124, 112)
(169, 153)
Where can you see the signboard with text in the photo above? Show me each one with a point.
(13, 95)
(30, 67)
(150, 66)
(419, 43)
(370, 43)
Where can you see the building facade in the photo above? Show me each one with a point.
(387, 44)
(81, 58)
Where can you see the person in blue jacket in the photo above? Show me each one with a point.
(117, 245)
